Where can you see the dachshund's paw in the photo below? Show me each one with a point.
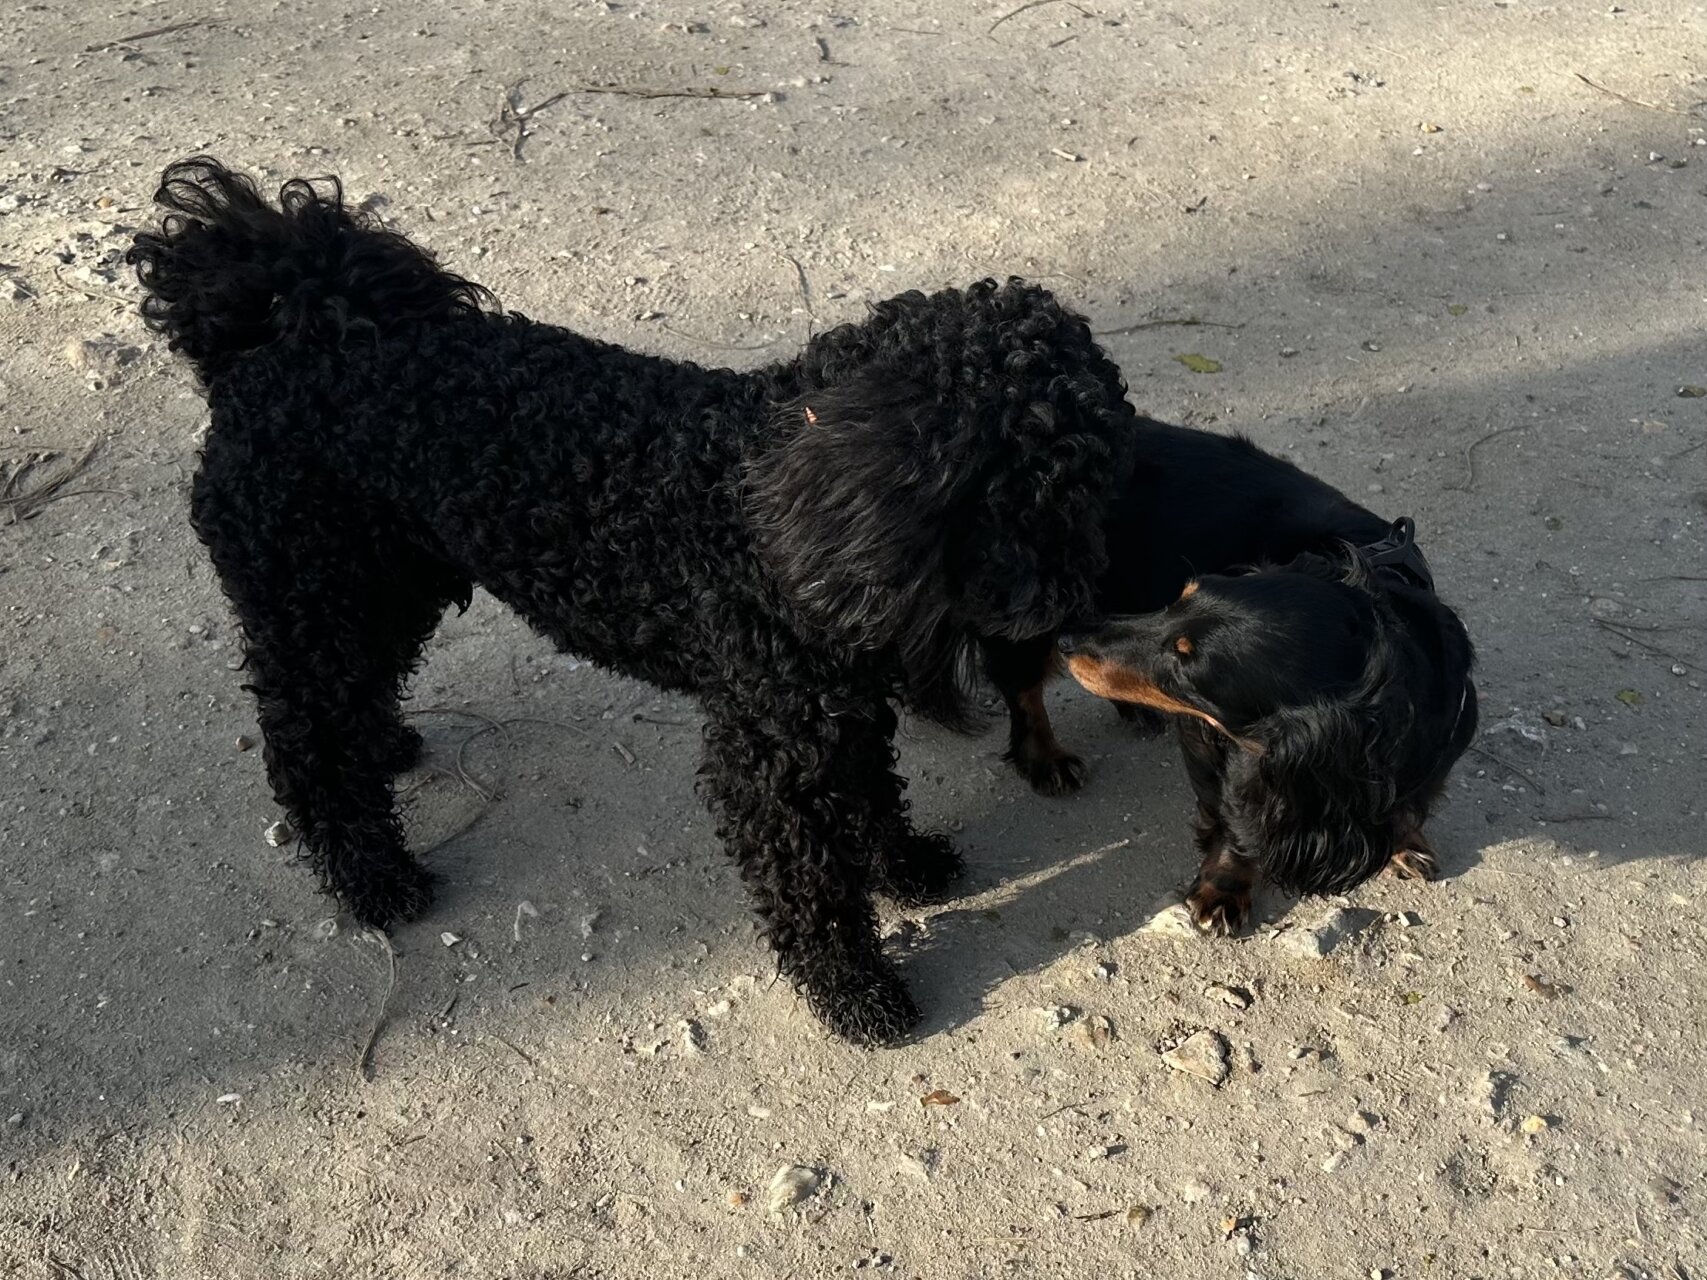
(1414, 864)
(1051, 773)
(920, 871)
(1144, 721)
(1220, 908)
(390, 896)
(869, 1007)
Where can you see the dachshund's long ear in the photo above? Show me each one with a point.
(1318, 803)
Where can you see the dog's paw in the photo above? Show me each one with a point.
(382, 899)
(403, 749)
(920, 871)
(1144, 722)
(868, 1007)
(1220, 909)
(1058, 773)
(1414, 864)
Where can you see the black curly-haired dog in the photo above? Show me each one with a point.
(799, 546)
(1321, 697)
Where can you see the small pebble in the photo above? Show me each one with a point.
(1139, 1214)
(1202, 1054)
(243, 744)
(449, 939)
(1493, 1093)
(1097, 1032)
(279, 834)
(1232, 997)
(1194, 1190)
(1320, 939)
(1104, 972)
(693, 1038)
(737, 1199)
(791, 1184)
(15, 1120)
(1535, 1124)
(915, 1166)
(1170, 917)
(1058, 1015)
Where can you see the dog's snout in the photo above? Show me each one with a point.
(1069, 643)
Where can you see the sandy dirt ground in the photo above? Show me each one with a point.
(1449, 257)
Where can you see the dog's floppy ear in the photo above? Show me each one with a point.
(1318, 803)
(849, 508)
(1034, 550)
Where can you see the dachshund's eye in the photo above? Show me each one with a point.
(1184, 647)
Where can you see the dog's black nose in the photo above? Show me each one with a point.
(1067, 643)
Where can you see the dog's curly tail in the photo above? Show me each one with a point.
(226, 272)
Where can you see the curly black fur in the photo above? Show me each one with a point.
(799, 546)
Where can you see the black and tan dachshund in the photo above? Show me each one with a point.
(1321, 688)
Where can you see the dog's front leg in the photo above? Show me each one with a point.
(1018, 669)
(1220, 896)
(803, 793)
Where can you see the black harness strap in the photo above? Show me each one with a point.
(1398, 554)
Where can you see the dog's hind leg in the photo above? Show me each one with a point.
(803, 791)
(334, 612)
(1018, 669)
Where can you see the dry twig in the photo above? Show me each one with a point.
(19, 504)
(721, 346)
(1635, 102)
(1510, 768)
(1640, 643)
(510, 114)
(86, 291)
(364, 1063)
(629, 91)
(1037, 4)
(1470, 454)
(129, 42)
(805, 294)
(1184, 322)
